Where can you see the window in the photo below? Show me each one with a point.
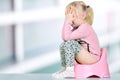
(42, 37)
(6, 46)
(38, 4)
(6, 6)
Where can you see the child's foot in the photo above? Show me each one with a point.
(69, 72)
(58, 72)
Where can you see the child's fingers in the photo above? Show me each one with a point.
(67, 8)
(75, 14)
(67, 12)
(72, 11)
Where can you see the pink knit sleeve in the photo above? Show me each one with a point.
(66, 27)
(68, 34)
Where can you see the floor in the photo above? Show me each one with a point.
(47, 77)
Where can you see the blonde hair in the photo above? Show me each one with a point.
(88, 9)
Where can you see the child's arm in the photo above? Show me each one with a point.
(64, 30)
(68, 34)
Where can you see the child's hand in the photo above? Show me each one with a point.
(69, 14)
(69, 17)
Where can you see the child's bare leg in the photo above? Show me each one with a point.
(84, 57)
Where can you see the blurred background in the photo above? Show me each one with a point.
(30, 34)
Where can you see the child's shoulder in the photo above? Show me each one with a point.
(86, 26)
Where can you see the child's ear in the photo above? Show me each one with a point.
(84, 15)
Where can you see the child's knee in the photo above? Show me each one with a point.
(62, 45)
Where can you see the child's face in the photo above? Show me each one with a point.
(77, 16)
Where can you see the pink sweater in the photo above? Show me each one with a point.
(84, 32)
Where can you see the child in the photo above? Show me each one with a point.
(80, 40)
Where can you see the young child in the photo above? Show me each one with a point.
(80, 40)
